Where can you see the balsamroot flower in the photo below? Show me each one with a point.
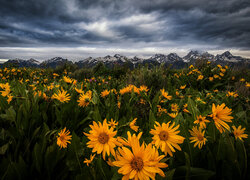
(61, 96)
(102, 138)
(63, 138)
(166, 137)
(220, 115)
(197, 137)
(201, 120)
(139, 161)
(239, 133)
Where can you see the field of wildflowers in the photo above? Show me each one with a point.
(147, 124)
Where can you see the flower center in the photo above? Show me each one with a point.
(103, 138)
(199, 119)
(62, 138)
(137, 163)
(200, 137)
(163, 135)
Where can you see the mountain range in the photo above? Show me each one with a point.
(110, 61)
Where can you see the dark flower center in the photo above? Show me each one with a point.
(200, 137)
(103, 138)
(163, 135)
(137, 164)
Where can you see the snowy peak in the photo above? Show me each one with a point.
(194, 55)
(31, 60)
(23, 63)
(54, 62)
(162, 58)
(55, 59)
(174, 57)
(227, 56)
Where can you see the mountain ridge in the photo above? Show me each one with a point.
(117, 59)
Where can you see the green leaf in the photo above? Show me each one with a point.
(169, 174)
(4, 148)
(37, 156)
(9, 115)
(187, 165)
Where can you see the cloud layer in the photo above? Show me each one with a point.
(103, 25)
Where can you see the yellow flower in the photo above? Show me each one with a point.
(183, 87)
(191, 66)
(232, 94)
(133, 126)
(55, 75)
(242, 80)
(216, 76)
(61, 96)
(102, 139)
(119, 104)
(112, 123)
(143, 88)
(88, 161)
(161, 110)
(233, 78)
(200, 77)
(174, 107)
(128, 142)
(109, 162)
(177, 93)
(84, 99)
(211, 78)
(197, 137)
(141, 162)
(220, 115)
(129, 89)
(80, 91)
(239, 133)
(63, 138)
(105, 93)
(165, 94)
(200, 100)
(166, 137)
(201, 121)
(223, 70)
(173, 115)
(6, 89)
(9, 98)
(219, 66)
(142, 101)
(221, 74)
(67, 79)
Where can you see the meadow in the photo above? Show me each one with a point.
(145, 123)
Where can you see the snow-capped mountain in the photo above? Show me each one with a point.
(162, 58)
(227, 56)
(54, 62)
(194, 55)
(108, 60)
(23, 63)
(171, 59)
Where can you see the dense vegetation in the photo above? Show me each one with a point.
(100, 123)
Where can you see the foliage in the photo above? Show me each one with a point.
(31, 119)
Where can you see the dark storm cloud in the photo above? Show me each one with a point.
(214, 23)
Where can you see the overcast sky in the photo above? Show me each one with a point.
(76, 29)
